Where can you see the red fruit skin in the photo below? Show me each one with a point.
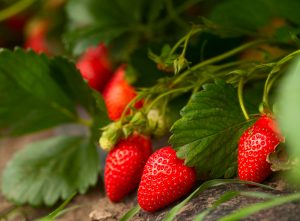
(165, 179)
(144, 143)
(95, 67)
(36, 38)
(117, 94)
(124, 166)
(37, 43)
(268, 122)
(255, 145)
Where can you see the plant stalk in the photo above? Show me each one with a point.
(240, 97)
(15, 9)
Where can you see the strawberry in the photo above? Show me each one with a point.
(117, 94)
(255, 145)
(95, 67)
(124, 166)
(165, 179)
(36, 36)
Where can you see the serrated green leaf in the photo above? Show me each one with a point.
(37, 92)
(28, 94)
(67, 77)
(288, 100)
(210, 128)
(31, 73)
(52, 169)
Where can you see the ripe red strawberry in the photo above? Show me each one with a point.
(124, 166)
(117, 94)
(165, 179)
(255, 145)
(95, 67)
(36, 37)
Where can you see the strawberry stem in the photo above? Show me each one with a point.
(174, 16)
(265, 101)
(87, 123)
(271, 79)
(184, 39)
(219, 58)
(130, 104)
(185, 89)
(240, 96)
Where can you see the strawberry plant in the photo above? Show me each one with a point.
(221, 85)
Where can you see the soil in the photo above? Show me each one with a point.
(94, 206)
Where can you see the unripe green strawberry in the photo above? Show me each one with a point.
(124, 166)
(158, 124)
(165, 179)
(255, 145)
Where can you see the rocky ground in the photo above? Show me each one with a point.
(95, 206)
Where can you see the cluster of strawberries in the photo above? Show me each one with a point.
(161, 177)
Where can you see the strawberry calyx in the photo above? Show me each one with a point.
(157, 123)
(110, 136)
(280, 160)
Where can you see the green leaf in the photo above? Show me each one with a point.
(210, 127)
(288, 101)
(52, 169)
(289, 10)
(129, 214)
(254, 208)
(144, 70)
(101, 21)
(208, 184)
(242, 17)
(155, 8)
(80, 39)
(37, 92)
(248, 15)
(67, 77)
